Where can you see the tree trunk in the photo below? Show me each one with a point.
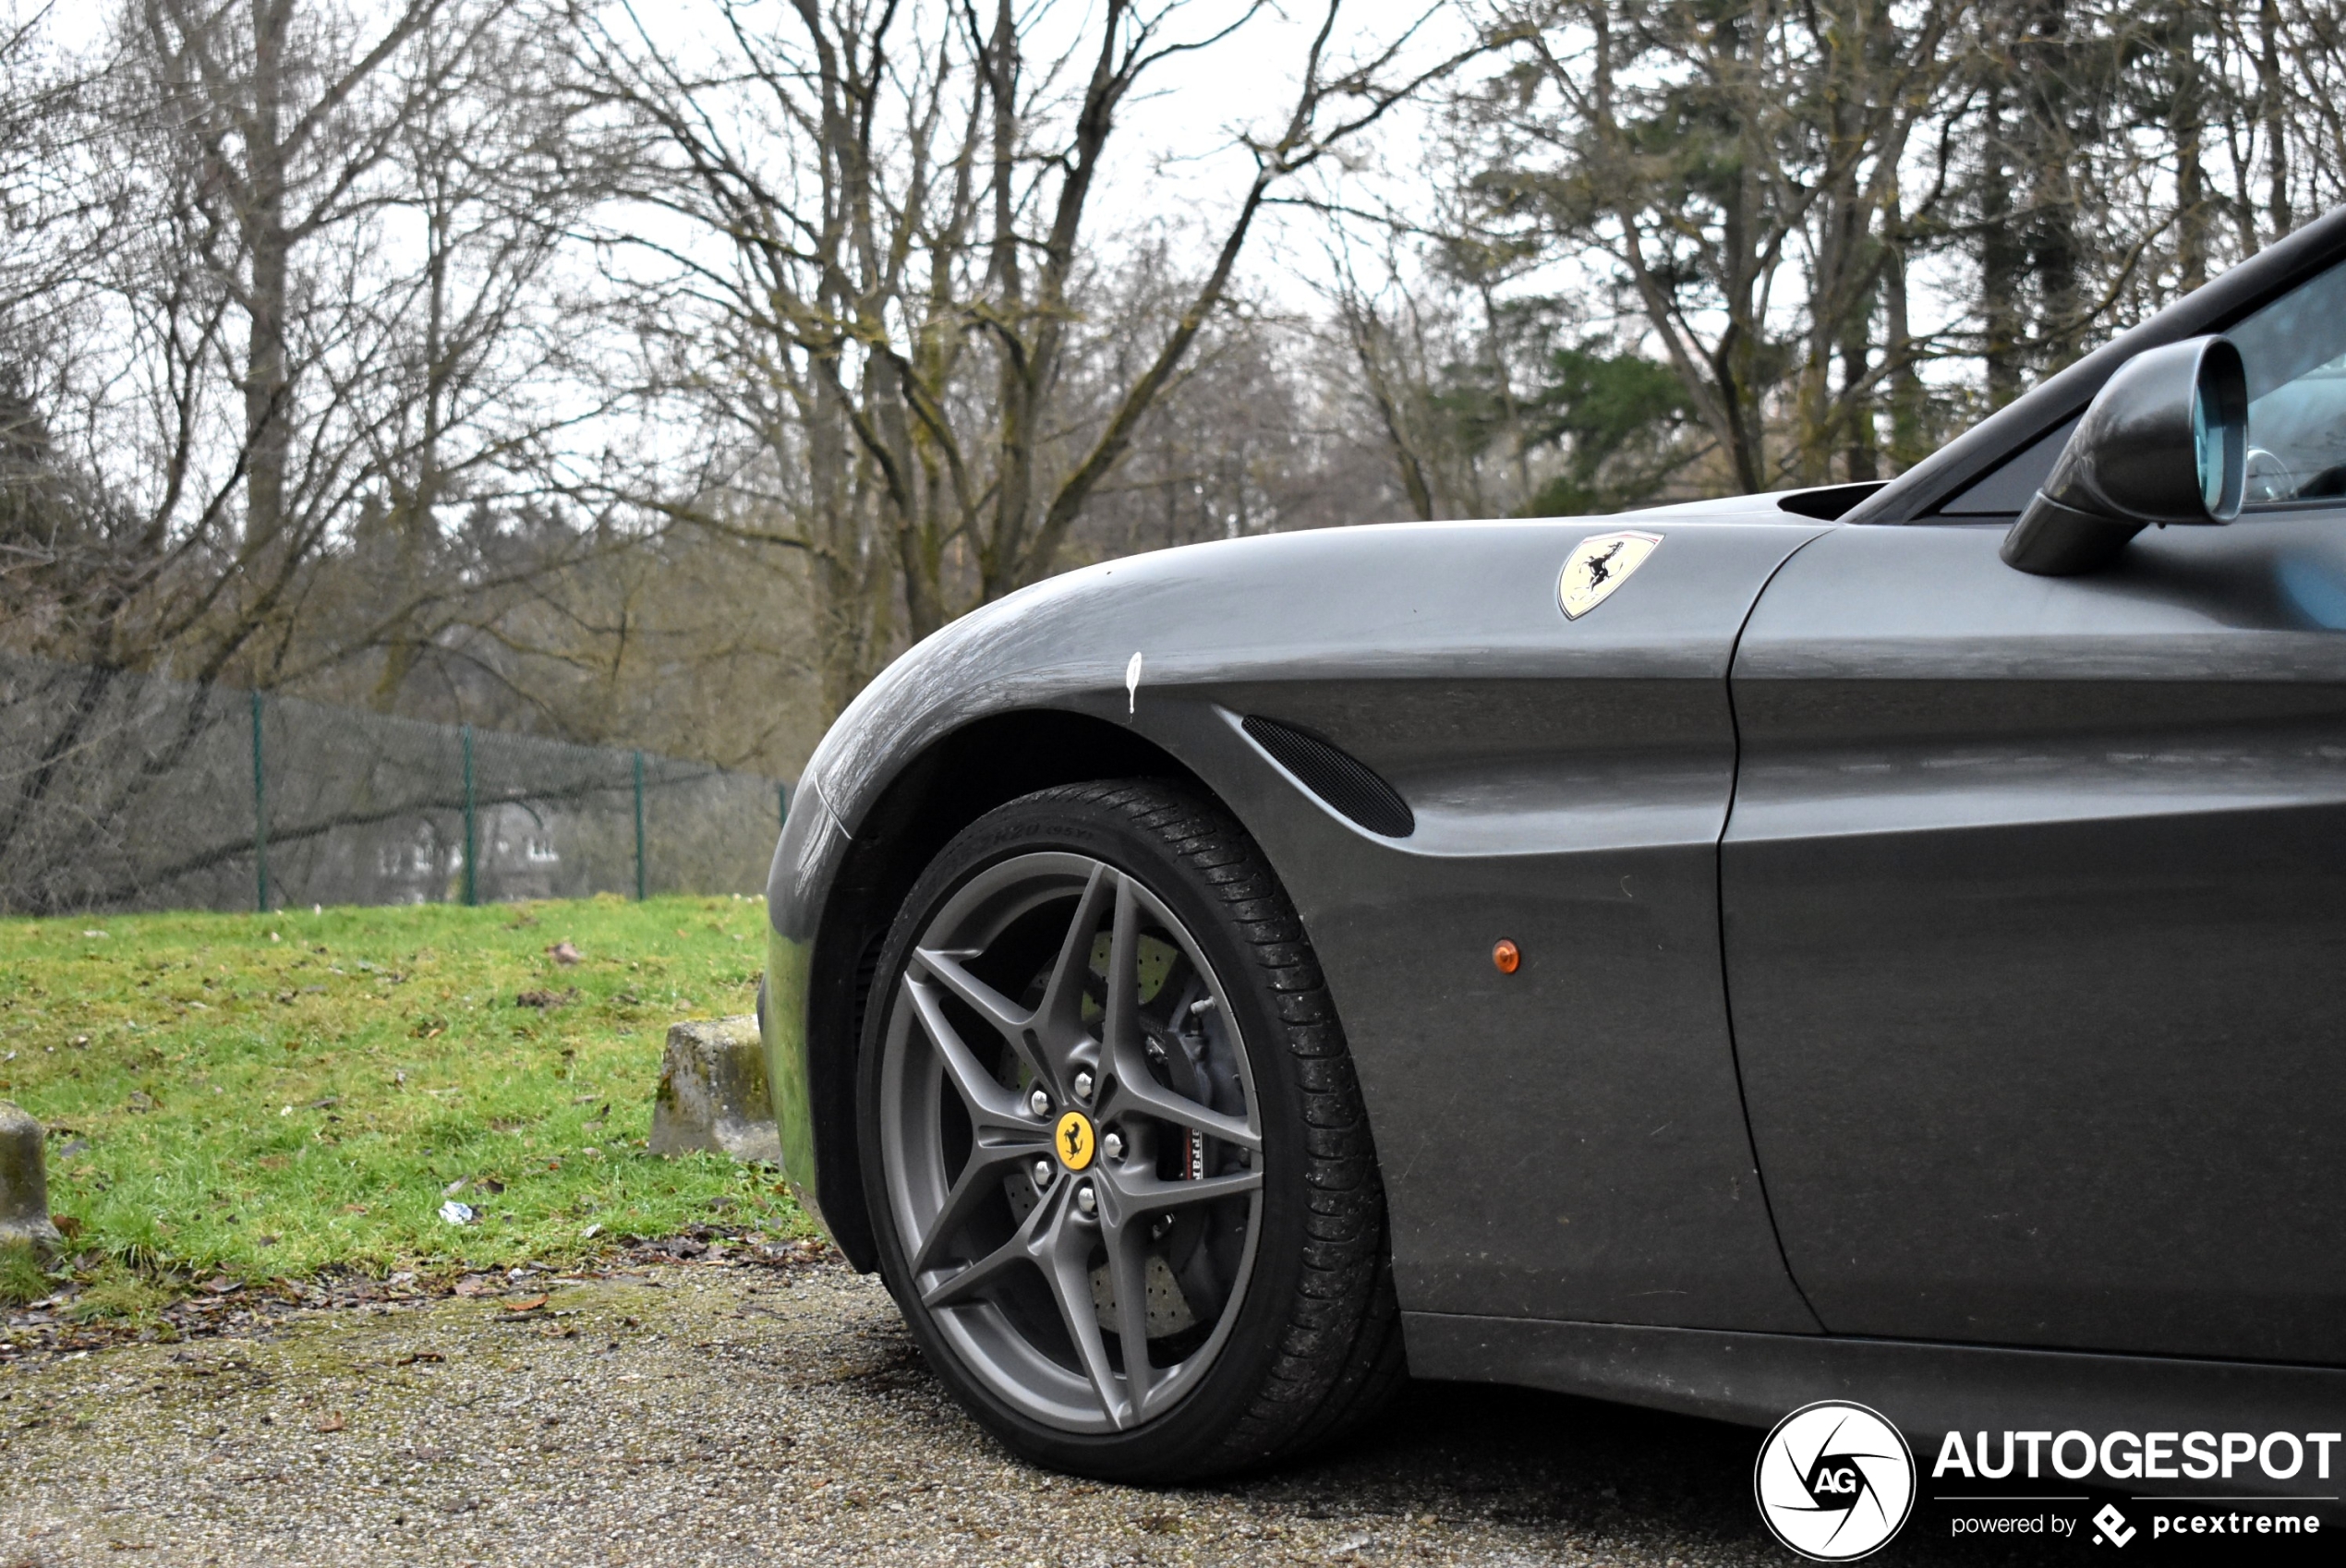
(2190, 175)
(2001, 258)
(2052, 228)
(1909, 440)
(267, 381)
(2273, 103)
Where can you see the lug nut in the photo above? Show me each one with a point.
(1112, 1145)
(1039, 1103)
(1087, 1202)
(1082, 1086)
(1042, 1173)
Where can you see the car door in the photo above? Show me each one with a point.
(2034, 900)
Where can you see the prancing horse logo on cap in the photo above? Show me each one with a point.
(1074, 1133)
(1597, 565)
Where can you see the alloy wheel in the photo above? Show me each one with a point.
(1070, 1142)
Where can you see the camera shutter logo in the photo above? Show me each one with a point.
(1835, 1481)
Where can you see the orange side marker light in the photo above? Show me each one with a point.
(1507, 956)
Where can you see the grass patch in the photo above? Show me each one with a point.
(267, 1097)
(22, 1280)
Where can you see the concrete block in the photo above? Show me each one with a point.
(24, 1185)
(713, 1094)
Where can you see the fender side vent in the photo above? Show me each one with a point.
(1341, 780)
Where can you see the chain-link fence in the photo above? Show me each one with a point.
(122, 791)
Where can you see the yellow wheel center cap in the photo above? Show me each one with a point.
(1074, 1140)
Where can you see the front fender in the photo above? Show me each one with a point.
(806, 862)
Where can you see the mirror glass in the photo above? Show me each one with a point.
(2217, 435)
(2294, 350)
(2208, 447)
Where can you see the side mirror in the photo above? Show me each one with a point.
(2165, 441)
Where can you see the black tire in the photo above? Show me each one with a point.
(1312, 1343)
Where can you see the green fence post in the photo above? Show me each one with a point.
(260, 813)
(640, 828)
(472, 830)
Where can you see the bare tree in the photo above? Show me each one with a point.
(1702, 154)
(314, 249)
(900, 202)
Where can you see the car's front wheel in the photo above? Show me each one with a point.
(1115, 1153)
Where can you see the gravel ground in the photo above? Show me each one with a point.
(724, 1413)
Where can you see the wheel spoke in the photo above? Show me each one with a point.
(1067, 1268)
(1155, 1194)
(1061, 1010)
(1020, 1249)
(1007, 1017)
(1121, 1023)
(979, 1179)
(993, 1107)
(1134, 1091)
(1127, 1237)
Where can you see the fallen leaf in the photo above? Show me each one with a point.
(531, 1305)
(332, 1421)
(475, 1287)
(415, 1355)
(457, 1213)
(563, 952)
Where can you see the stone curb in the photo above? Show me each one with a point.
(712, 1092)
(24, 1185)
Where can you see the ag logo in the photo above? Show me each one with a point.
(1597, 565)
(1073, 1136)
(1835, 1481)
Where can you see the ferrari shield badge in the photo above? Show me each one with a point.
(1597, 565)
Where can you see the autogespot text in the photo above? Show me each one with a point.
(2129, 1456)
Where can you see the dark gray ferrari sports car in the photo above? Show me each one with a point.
(1883, 942)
